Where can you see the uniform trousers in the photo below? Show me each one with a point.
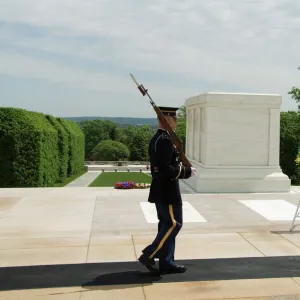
(169, 225)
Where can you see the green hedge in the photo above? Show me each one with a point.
(30, 153)
(76, 146)
(63, 147)
(35, 148)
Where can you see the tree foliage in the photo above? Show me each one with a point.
(137, 140)
(295, 94)
(290, 139)
(181, 125)
(96, 131)
(289, 144)
(111, 151)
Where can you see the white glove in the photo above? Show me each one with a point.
(193, 171)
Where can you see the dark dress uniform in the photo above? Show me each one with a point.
(165, 193)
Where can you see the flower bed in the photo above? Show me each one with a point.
(125, 185)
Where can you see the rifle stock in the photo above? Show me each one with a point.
(176, 141)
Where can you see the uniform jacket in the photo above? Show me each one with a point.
(166, 170)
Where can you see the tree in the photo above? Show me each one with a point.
(110, 128)
(181, 125)
(289, 144)
(127, 135)
(290, 139)
(96, 131)
(137, 140)
(139, 143)
(118, 134)
(111, 151)
(295, 93)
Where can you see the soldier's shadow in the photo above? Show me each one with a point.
(121, 280)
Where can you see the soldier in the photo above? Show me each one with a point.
(165, 193)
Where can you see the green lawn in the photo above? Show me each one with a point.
(110, 178)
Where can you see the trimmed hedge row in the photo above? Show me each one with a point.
(63, 147)
(35, 149)
(76, 152)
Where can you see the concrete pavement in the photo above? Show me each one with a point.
(84, 180)
(83, 243)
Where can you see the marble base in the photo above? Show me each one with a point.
(238, 180)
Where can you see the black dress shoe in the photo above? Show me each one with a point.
(149, 264)
(173, 269)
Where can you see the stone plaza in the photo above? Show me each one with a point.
(82, 243)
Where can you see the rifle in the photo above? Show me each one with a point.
(163, 121)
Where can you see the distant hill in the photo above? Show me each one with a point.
(120, 121)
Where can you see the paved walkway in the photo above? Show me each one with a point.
(85, 179)
(83, 243)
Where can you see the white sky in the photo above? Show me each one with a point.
(73, 58)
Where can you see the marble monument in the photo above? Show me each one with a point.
(233, 142)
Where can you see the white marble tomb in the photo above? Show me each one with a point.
(233, 142)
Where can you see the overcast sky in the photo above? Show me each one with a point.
(73, 57)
